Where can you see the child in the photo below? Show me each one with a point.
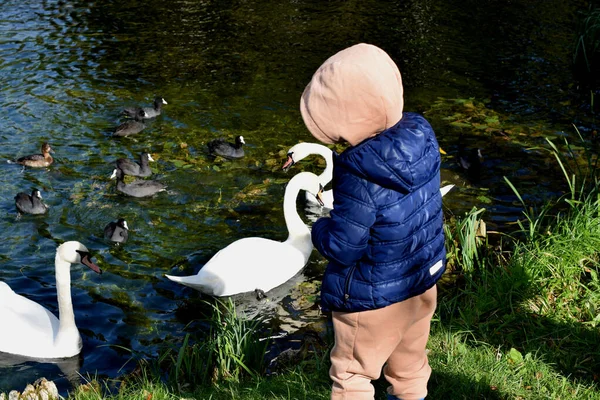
(384, 240)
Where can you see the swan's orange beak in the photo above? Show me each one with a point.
(85, 260)
(289, 163)
(319, 195)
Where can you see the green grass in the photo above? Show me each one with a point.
(295, 384)
(232, 350)
(524, 324)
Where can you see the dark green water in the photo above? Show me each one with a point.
(67, 68)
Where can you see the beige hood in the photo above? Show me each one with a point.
(354, 95)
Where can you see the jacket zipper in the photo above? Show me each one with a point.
(347, 283)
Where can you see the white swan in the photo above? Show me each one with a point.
(302, 150)
(256, 263)
(29, 329)
(445, 189)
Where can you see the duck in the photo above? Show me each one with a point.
(132, 126)
(30, 204)
(31, 330)
(220, 147)
(302, 150)
(138, 188)
(38, 160)
(256, 263)
(150, 112)
(471, 161)
(131, 168)
(117, 231)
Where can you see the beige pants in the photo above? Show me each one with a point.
(396, 336)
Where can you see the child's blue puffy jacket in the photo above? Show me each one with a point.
(384, 240)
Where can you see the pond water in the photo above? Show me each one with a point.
(67, 68)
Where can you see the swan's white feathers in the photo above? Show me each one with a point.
(444, 190)
(256, 263)
(29, 329)
(25, 325)
(302, 150)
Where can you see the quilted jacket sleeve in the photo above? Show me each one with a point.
(344, 237)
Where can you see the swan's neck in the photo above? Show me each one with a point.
(298, 231)
(66, 316)
(327, 174)
(327, 154)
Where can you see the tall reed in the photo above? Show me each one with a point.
(586, 55)
(231, 350)
(466, 238)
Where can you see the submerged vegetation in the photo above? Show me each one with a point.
(517, 318)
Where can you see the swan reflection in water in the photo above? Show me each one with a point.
(18, 371)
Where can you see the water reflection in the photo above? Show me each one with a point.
(32, 369)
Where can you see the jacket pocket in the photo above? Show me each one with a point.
(348, 282)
